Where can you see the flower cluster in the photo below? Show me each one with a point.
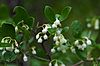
(11, 48)
(58, 38)
(56, 63)
(43, 35)
(81, 44)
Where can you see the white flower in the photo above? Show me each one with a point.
(16, 29)
(88, 42)
(37, 36)
(63, 40)
(54, 26)
(40, 40)
(16, 50)
(73, 50)
(62, 64)
(58, 48)
(1, 48)
(63, 51)
(56, 64)
(79, 46)
(33, 52)
(50, 64)
(59, 31)
(53, 50)
(44, 30)
(55, 38)
(76, 42)
(57, 22)
(84, 45)
(96, 24)
(89, 25)
(25, 58)
(57, 42)
(45, 37)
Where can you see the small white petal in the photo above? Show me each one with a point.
(53, 50)
(25, 58)
(63, 51)
(89, 25)
(50, 64)
(55, 38)
(58, 48)
(45, 37)
(57, 42)
(56, 64)
(62, 64)
(88, 42)
(79, 46)
(40, 40)
(96, 24)
(16, 29)
(63, 40)
(16, 50)
(44, 30)
(37, 36)
(76, 42)
(54, 26)
(84, 45)
(33, 52)
(57, 22)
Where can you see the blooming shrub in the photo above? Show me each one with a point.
(23, 39)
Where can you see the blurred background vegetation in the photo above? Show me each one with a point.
(81, 9)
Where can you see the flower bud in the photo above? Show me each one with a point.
(16, 50)
(96, 24)
(33, 52)
(53, 50)
(56, 64)
(55, 38)
(1, 48)
(57, 22)
(44, 30)
(54, 26)
(25, 58)
(76, 42)
(37, 36)
(45, 37)
(62, 64)
(84, 45)
(50, 64)
(40, 40)
(88, 42)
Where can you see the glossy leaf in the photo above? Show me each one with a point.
(8, 30)
(48, 11)
(65, 12)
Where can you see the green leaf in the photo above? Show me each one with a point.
(49, 13)
(76, 28)
(7, 30)
(4, 11)
(65, 12)
(9, 56)
(82, 54)
(5, 45)
(52, 31)
(65, 29)
(21, 14)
